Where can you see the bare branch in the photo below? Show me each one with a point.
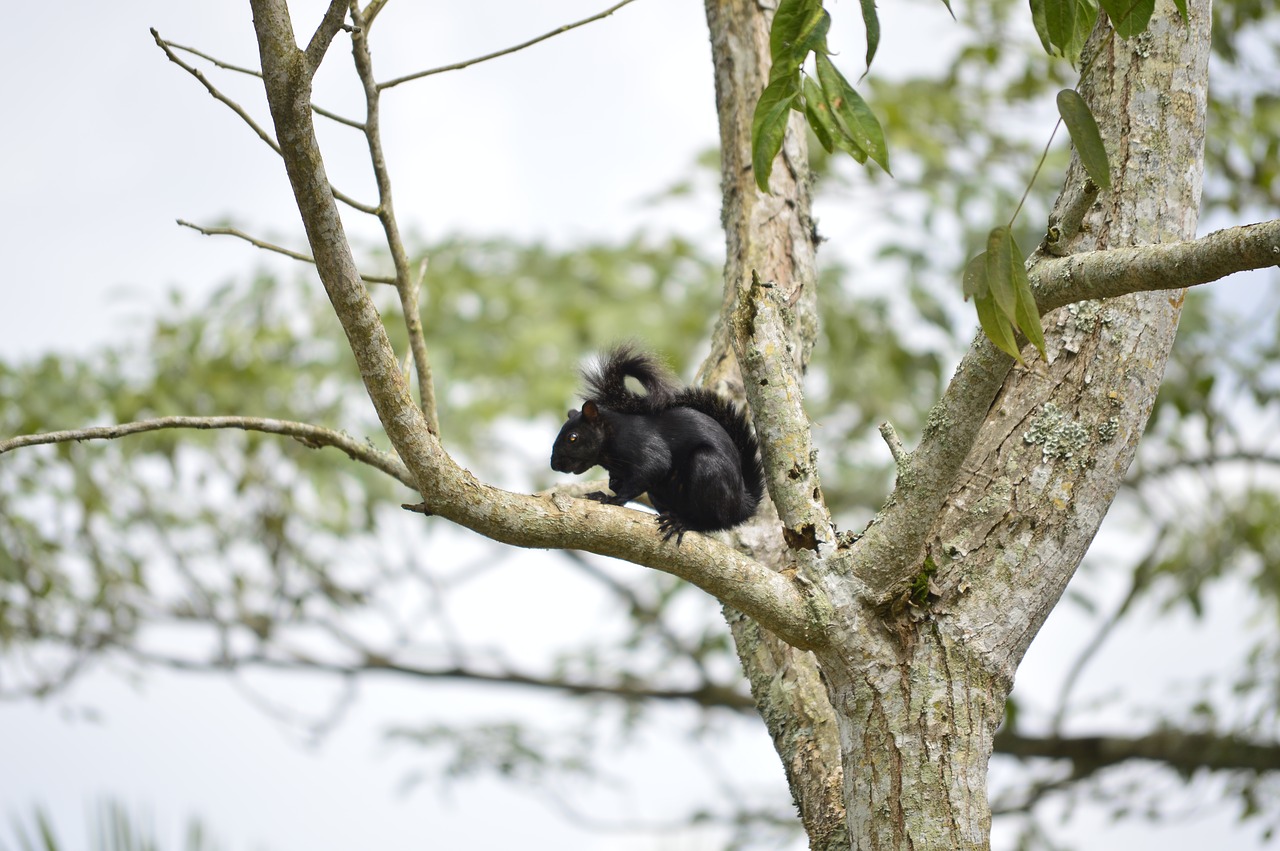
(406, 287)
(204, 81)
(892, 549)
(371, 11)
(341, 119)
(253, 72)
(1064, 225)
(468, 62)
(368, 209)
(896, 449)
(1176, 749)
(323, 36)
(268, 246)
(1240, 456)
(1141, 579)
(240, 111)
(226, 66)
(1117, 271)
(707, 696)
(309, 435)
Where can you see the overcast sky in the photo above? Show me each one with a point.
(108, 143)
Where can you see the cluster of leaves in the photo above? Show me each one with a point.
(840, 119)
(836, 113)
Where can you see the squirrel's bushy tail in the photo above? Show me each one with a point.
(606, 381)
(734, 422)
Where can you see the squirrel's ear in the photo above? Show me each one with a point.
(573, 412)
(589, 410)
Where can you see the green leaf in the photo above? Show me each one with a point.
(1026, 314)
(997, 327)
(818, 114)
(825, 126)
(769, 125)
(1060, 22)
(1086, 20)
(1085, 136)
(1040, 18)
(1129, 17)
(872, 22)
(1182, 10)
(856, 119)
(1000, 271)
(799, 27)
(975, 278)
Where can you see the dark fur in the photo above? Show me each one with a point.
(690, 450)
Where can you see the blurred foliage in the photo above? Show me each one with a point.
(114, 829)
(258, 538)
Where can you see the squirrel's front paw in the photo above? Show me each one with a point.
(598, 496)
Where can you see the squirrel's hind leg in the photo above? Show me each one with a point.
(670, 525)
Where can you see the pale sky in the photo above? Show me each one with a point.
(108, 143)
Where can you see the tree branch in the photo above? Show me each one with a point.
(1182, 751)
(213, 90)
(772, 383)
(253, 72)
(708, 696)
(447, 489)
(323, 36)
(268, 246)
(891, 551)
(468, 62)
(308, 435)
(1117, 271)
(406, 286)
(253, 125)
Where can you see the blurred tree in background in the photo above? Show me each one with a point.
(262, 552)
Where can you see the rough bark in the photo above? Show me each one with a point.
(773, 237)
(919, 678)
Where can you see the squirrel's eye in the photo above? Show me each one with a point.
(573, 437)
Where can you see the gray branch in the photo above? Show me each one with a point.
(306, 434)
(456, 66)
(270, 246)
(1119, 271)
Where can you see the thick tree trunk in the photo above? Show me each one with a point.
(919, 688)
(772, 235)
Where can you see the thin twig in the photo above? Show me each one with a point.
(406, 286)
(708, 696)
(213, 90)
(369, 209)
(896, 449)
(226, 66)
(268, 246)
(468, 62)
(253, 72)
(333, 116)
(305, 433)
(1141, 579)
(1044, 155)
(240, 111)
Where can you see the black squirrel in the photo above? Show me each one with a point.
(692, 451)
